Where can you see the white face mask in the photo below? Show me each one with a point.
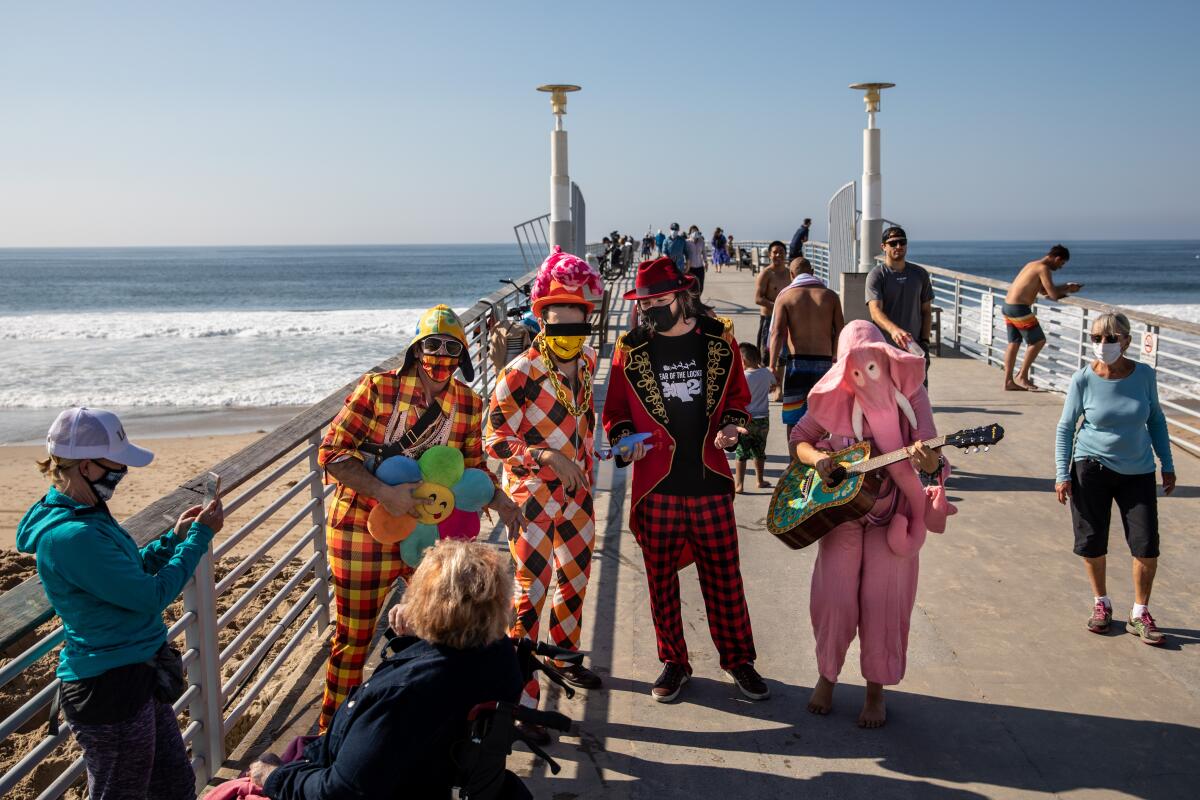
(1108, 352)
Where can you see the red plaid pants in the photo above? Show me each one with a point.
(662, 525)
(364, 572)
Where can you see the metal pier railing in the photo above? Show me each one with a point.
(242, 616)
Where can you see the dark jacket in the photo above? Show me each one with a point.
(393, 735)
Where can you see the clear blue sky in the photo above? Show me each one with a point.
(269, 122)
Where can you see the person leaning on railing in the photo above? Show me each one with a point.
(1112, 458)
(394, 736)
(119, 675)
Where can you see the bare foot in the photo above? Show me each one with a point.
(738, 488)
(874, 712)
(1013, 386)
(1027, 385)
(764, 485)
(821, 701)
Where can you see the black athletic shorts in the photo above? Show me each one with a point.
(1094, 487)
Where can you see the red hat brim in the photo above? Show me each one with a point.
(658, 288)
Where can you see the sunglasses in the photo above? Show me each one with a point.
(432, 345)
(897, 242)
(1105, 338)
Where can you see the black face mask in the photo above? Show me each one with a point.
(663, 318)
(106, 484)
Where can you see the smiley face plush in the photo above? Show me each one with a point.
(437, 502)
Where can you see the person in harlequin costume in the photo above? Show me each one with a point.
(391, 408)
(865, 577)
(678, 376)
(541, 426)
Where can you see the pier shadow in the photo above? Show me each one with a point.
(926, 739)
(964, 481)
(1000, 412)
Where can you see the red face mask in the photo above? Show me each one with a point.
(439, 368)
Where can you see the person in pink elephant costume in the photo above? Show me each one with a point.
(865, 578)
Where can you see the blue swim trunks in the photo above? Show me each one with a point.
(800, 374)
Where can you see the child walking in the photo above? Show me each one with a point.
(754, 444)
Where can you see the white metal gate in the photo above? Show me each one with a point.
(842, 233)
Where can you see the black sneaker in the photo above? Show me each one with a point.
(672, 679)
(749, 682)
(581, 676)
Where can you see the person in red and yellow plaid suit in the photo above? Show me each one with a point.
(390, 408)
(541, 424)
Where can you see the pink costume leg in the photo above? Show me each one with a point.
(833, 604)
(889, 589)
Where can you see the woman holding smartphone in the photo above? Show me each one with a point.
(118, 672)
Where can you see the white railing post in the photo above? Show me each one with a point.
(957, 314)
(205, 671)
(1084, 334)
(321, 568)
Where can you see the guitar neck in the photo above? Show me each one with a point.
(891, 458)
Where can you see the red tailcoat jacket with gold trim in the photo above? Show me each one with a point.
(634, 403)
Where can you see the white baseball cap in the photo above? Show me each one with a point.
(90, 433)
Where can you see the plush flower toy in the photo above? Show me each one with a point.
(451, 499)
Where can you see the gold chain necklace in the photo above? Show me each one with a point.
(560, 391)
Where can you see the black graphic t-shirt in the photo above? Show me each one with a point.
(679, 363)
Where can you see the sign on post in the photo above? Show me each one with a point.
(1150, 347)
(987, 318)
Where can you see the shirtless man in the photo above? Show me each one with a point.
(771, 281)
(1034, 279)
(808, 320)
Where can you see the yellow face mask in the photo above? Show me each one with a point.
(565, 340)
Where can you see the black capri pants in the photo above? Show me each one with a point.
(1094, 487)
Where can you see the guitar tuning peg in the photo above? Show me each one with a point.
(986, 448)
(976, 448)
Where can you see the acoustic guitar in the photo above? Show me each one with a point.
(804, 508)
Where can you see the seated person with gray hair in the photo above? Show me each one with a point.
(394, 736)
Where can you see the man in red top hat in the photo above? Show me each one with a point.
(678, 376)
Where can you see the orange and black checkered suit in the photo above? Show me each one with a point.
(525, 415)
(364, 571)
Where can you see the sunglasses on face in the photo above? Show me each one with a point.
(1105, 338)
(433, 345)
(897, 242)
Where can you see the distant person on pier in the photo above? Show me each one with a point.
(410, 409)
(541, 427)
(659, 240)
(676, 247)
(770, 282)
(679, 377)
(696, 261)
(799, 238)
(804, 333)
(647, 245)
(752, 445)
(900, 296)
(1035, 278)
(1111, 458)
(720, 248)
(119, 674)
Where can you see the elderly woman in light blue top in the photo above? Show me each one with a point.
(1110, 457)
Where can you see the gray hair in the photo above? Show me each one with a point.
(1112, 323)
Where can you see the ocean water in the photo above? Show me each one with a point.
(260, 327)
(215, 328)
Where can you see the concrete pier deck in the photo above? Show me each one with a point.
(1006, 696)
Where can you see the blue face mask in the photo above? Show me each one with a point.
(106, 484)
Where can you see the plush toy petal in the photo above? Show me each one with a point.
(414, 547)
(473, 491)
(386, 528)
(460, 525)
(398, 469)
(442, 465)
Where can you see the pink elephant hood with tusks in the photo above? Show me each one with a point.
(831, 399)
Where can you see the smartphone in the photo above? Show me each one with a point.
(212, 487)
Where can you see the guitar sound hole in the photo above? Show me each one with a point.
(836, 477)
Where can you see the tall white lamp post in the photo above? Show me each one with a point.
(871, 225)
(560, 179)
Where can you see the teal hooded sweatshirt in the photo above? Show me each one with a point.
(109, 595)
